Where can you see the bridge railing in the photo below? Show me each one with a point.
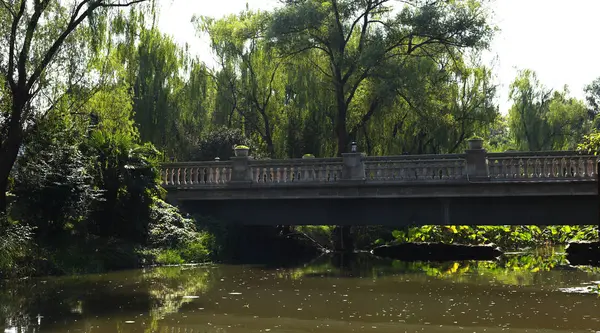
(196, 173)
(416, 167)
(322, 170)
(474, 165)
(538, 166)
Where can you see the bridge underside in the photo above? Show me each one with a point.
(531, 210)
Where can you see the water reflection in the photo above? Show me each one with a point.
(533, 293)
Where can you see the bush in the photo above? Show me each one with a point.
(197, 252)
(507, 237)
(219, 143)
(169, 257)
(15, 244)
(168, 228)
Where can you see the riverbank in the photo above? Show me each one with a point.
(209, 241)
(180, 240)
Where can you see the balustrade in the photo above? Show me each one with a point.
(296, 170)
(407, 168)
(196, 173)
(537, 166)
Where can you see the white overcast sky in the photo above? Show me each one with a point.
(556, 38)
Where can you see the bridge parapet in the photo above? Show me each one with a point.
(472, 165)
(415, 167)
(320, 170)
(540, 166)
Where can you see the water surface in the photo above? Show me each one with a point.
(517, 294)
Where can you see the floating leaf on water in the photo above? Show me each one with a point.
(191, 296)
(234, 293)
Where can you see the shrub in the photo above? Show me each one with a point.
(197, 251)
(15, 242)
(168, 228)
(169, 257)
(219, 143)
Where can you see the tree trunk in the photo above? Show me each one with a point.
(3, 199)
(10, 149)
(269, 139)
(340, 127)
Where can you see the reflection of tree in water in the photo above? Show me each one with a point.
(514, 269)
(171, 285)
(158, 292)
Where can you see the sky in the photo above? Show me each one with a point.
(558, 41)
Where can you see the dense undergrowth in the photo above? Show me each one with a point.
(172, 239)
(86, 199)
(509, 238)
(506, 237)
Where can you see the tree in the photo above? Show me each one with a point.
(431, 110)
(592, 98)
(541, 119)
(34, 59)
(250, 71)
(360, 38)
(52, 185)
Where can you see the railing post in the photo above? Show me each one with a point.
(477, 162)
(241, 173)
(354, 166)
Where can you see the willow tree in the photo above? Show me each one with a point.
(435, 110)
(250, 71)
(542, 119)
(34, 60)
(360, 38)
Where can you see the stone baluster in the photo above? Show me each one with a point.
(178, 177)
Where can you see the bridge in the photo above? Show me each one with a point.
(471, 188)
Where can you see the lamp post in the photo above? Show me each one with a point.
(353, 147)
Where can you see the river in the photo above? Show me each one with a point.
(519, 293)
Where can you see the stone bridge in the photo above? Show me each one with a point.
(472, 188)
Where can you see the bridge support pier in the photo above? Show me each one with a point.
(342, 239)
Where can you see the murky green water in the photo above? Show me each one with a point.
(517, 294)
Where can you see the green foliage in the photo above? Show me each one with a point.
(507, 237)
(169, 257)
(499, 136)
(590, 144)
(167, 228)
(127, 174)
(320, 234)
(15, 245)
(592, 98)
(52, 181)
(198, 251)
(364, 57)
(540, 119)
(220, 143)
